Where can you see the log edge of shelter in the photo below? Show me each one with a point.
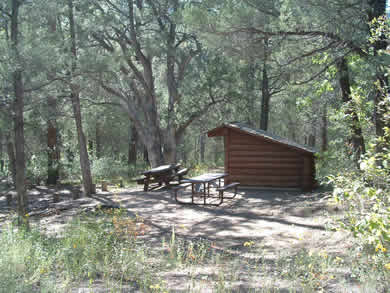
(256, 157)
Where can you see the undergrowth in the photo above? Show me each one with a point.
(110, 250)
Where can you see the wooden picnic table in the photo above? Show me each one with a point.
(162, 174)
(206, 180)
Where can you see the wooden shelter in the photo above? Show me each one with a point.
(255, 157)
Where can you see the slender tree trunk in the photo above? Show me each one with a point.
(145, 153)
(132, 156)
(11, 158)
(170, 142)
(216, 150)
(265, 92)
(356, 140)
(53, 153)
(312, 140)
(1, 153)
(202, 147)
(90, 147)
(250, 85)
(324, 129)
(18, 118)
(98, 140)
(75, 98)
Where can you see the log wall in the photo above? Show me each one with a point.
(253, 160)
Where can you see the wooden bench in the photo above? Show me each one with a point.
(179, 187)
(181, 173)
(222, 189)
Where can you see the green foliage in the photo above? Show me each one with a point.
(108, 167)
(365, 195)
(37, 166)
(91, 248)
(105, 249)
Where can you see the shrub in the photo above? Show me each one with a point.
(365, 195)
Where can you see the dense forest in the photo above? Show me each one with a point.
(99, 89)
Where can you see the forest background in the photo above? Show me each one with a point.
(101, 89)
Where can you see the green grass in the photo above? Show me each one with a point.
(107, 249)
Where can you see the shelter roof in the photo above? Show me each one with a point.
(242, 127)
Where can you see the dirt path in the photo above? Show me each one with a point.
(273, 219)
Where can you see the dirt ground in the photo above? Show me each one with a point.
(273, 219)
(276, 220)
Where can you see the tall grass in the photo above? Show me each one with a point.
(106, 250)
(89, 249)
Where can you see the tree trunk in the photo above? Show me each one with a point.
(145, 153)
(1, 153)
(170, 142)
(75, 98)
(18, 86)
(324, 129)
(98, 140)
(11, 158)
(216, 151)
(90, 147)
(84, 159)
(265, 92)
(356, 140)
(154, 154)
(53, 154)
(202, 147)
(132, 156)
(312, 140)
(250, 91)
(53, 151)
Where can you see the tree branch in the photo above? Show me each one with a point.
(196, 115)
(327, 35)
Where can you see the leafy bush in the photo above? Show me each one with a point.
(365, 195)
(109, 167)
(37, 166)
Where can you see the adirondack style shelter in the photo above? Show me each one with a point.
(255, 157)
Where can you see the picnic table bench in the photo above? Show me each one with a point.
(162, 174)
(206, 180)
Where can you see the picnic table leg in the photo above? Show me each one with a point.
(221, 196)
(192, 192)
(204, 193)
(146, 183)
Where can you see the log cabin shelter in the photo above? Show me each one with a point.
(255, 157)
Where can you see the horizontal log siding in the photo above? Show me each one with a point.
(255, 161)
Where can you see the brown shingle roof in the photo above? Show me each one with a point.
(269, 136)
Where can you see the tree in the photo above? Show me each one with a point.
(314, 28)
(75, 98)
(148, 36)
(377, 9)
(18, 108)
(53, 152)
(356, 140)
